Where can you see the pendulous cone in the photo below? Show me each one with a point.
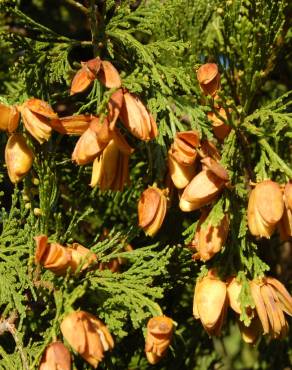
(265, 208)
(55, 357)
(209, 78)
(137, 119)
(202, 190)
(210, 303)
(85, 75)
(158, 338)
(251, 333)
(181, 175)
(233, 292)
(209, 239)
(37, 115)
(80, 257)
(18, 157)
(109, 76)
(87, 335)
(220, 129)
(9, 118)
(152, 209)
(72, 125)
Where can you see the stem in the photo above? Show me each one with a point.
(8, 325)
(94, 27)
(272, 154)
(78, 6)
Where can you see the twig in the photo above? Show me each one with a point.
(8, 326)
(78, 6)
(94, 26)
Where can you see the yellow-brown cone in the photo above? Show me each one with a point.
(152, 209)
(80, 256)
(56, 357)
(265, 208)
(210, 303)
(200, 191)
(209, 78)
(180, 174)
(18, 157)
(209, 239)
(52, 256)
(9, 118)
(137, 119)
(220, 128)
(158, 338)
(87, 335)
(85, 75)
(109, 76)
(72, 125)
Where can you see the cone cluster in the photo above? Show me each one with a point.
(195, 170)
(158, 338)
(212, 297)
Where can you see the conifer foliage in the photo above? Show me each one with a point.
(146, 190)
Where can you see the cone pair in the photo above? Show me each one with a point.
(87, 335)
(152, 209)
(158, 338)
(93, 69)
(209, 239)
(265, 208)
(58, 259)
(210, 303)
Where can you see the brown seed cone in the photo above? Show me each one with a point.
(220, 128)
(210, 303)
(181, 175)
(85, 75)
(114, 107)
(152, 209)
(158, 338)
(208, 149)
(56, 357)
(214, 166)
(265, 208)
(9, 118)
(109, 76)
(209, 239)
(87, 335)
(91, 142)
(184, 147)
(137, 119)
(72, 125)
(80, 256)
(52, 256)
(18, 157)
(251, 333)
(288, 195)
(209, 78)
(200, 191)
(111, 168)
(233, 292)
(285, 225)
(37, 115)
